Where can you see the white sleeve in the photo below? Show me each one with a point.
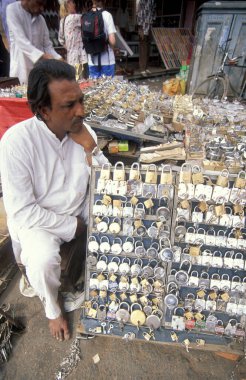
(15, 23)
(109, 24)
(48, 47)
(19, 199)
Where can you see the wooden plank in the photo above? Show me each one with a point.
(174, 45)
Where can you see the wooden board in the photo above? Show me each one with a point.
(174, 45)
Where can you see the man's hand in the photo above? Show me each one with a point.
(80, 227)
(84, 138)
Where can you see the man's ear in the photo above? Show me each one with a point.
(44, 112)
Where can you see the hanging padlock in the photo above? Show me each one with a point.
(238, 221)
(124, 267)
(207, 258)
(210, 237)
(231, 327)
(94, 282)
(152, 251)
(128, 245)
(137, 317)
(185, 174)
(226, 219)
(176, 254)
(178, 320)
(104, 244)
(211, 322)
(190, 236)
(194, 279)
(225, 283)
(151, 174)
(221, 239)
(197, 176)
(210, 216)
(102, 225)
(197, 216)
(163, 213)
(105, 171)
(134, 183)
(232, 241)
(166, 175)
(240, 332)
(97, 209)
(204, 281)
(240, 181)
(189, 301)
(215, 282)
(117, 208)
(210, 304)
(93, 245)
(139, 212)
(119, 171)
(102, 264)
(127, 210)
(194, 250)
(217, 260)
(116, 247)
(115, 226)
(222, 179)
(183, 213)
(180, 230)
(186, 191)
(140, 250)
(236, 283)
(228, 259)
(238, 262)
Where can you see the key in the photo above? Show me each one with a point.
(103, 324)
(110, 328)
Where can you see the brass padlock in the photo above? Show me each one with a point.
(119, 174)
(240, 181)
(194, 250)
(151, 174)
(138, 317)
(220, 210)
(223, 179)
(166, 176)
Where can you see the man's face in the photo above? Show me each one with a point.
(67, 108)
(35, 7)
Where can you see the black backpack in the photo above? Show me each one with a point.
(93, 36)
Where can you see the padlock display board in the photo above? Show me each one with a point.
(146, 270)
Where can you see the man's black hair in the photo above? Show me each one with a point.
(43, 73)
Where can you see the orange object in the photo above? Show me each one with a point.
(13, 111)
(229, 356)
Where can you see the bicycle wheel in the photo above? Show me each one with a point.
(217, 87)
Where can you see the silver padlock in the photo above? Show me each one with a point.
(139, 212)
(217, 260)
(226, 219)
(210, 216)
(194, 279)
(236, 283)
(210, 237)
(127, 210)
(228, 259)
(207, 258)
(197, 216)
(190, 235)
(225, 283)
(221, 239)
(238, 262)
(232, 241)
(215, 282)
(104, 244)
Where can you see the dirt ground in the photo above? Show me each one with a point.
(36, 355)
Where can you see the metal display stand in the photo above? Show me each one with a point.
(172, 325)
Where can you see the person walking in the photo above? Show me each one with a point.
(71, 38)
(29, 37)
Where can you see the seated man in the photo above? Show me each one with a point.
(45, 169)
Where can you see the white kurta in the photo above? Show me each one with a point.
(29, 40)
(45, 183)
(44, 180)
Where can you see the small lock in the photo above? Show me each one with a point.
(139, 212)
(240, 181)
(194, 250)
(166, 175)
(185, 173)
(222, 179)
(119, 172)
(197, 216)
(135, 172)
(238, 262)
(151, 174)
(197, 176)
(217, 260)
(105, 171)
(128, 210)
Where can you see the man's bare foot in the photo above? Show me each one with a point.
(59, 328)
